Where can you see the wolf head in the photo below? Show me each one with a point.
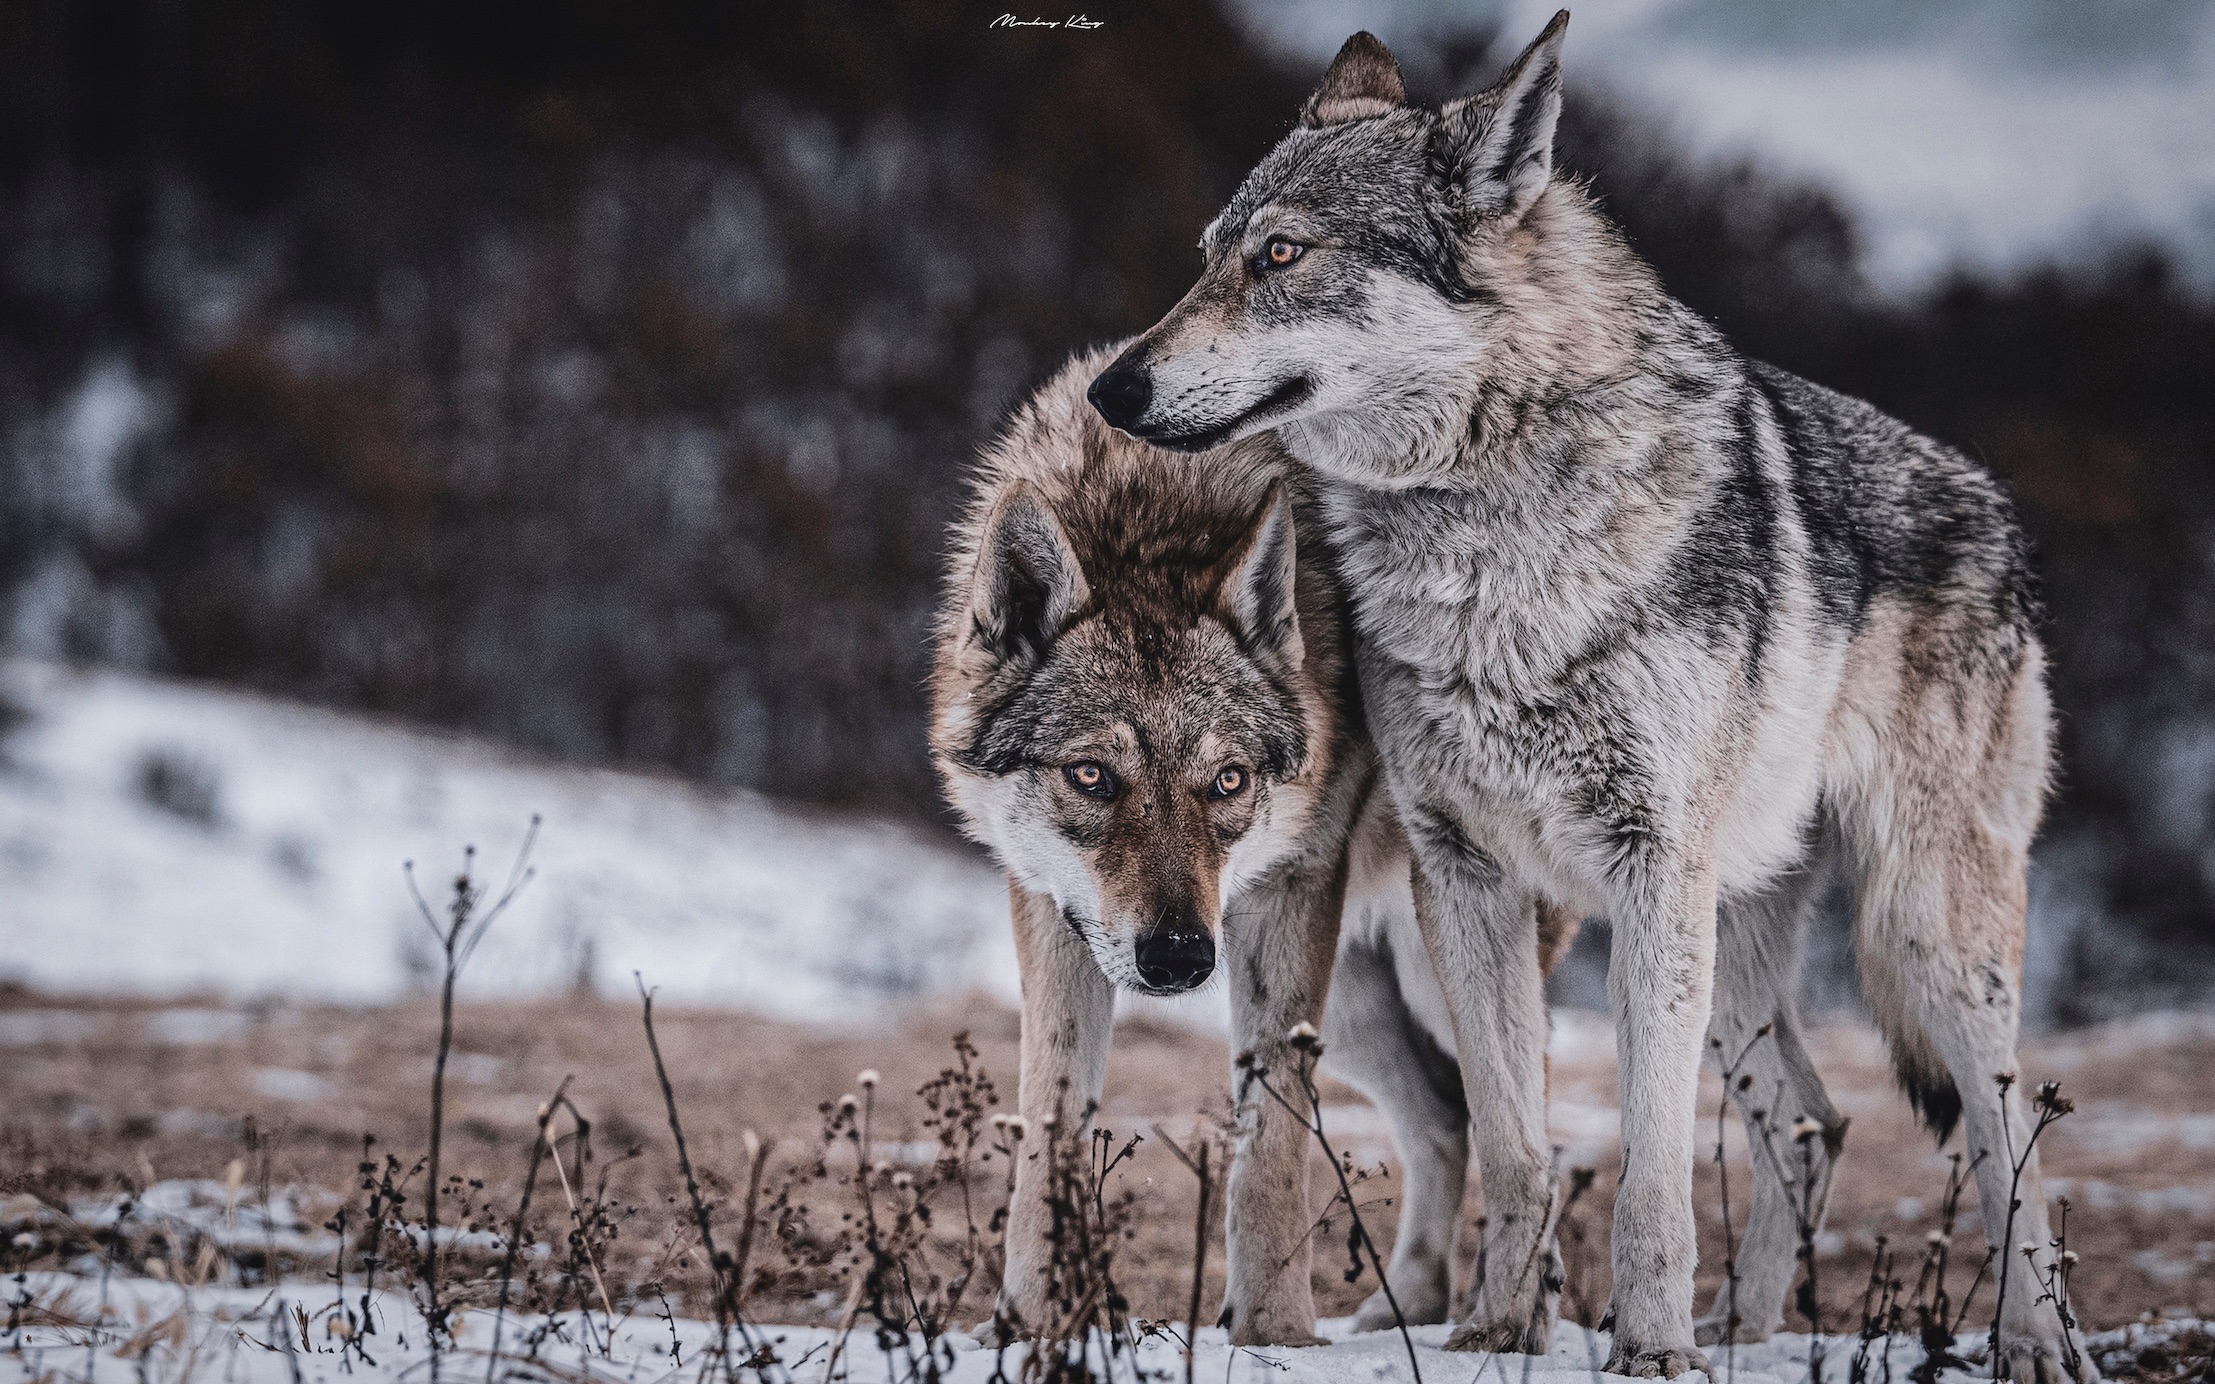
(1122, 710)
(1363, 278)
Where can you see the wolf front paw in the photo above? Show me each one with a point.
(1288, 1323)
(996, 1332)
(2027, 1359)
(1709, 1331)
(1653, 1362)
(1501, 1337)
(1424, 1301)
(1377, 1315)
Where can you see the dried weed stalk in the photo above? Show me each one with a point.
(1308, 1050)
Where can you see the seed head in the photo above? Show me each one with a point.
(868, 1078)
(848, 1103)
(1303, 1036)
(1805, 1128)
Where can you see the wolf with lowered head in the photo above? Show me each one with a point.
(1646, 627)
(1141, 703)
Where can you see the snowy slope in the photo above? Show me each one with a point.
(277, 866)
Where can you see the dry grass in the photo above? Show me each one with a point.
(106, 1097)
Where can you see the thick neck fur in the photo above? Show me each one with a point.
(1565, 315)
(1572, 432)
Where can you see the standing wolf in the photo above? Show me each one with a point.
(1142, 705)
(1644, 627)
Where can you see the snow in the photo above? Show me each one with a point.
(130, 1330)
(276, 867)
(229, 1214)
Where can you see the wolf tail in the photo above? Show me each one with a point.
(1930, 1088)
(1916, 1062)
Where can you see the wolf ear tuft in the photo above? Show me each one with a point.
(1028, 582)
(1497, 147)
(1363, 80)
(1259, 597)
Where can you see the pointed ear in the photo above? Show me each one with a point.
(1028, 582)
(1364, 80)
(1498, 147)
(1259, 597)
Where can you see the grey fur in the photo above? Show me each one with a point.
(1640, 626)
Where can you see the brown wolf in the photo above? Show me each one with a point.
(1142, 705)
(1648, 628)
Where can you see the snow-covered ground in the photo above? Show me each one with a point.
(161, 838)
(132, 1331)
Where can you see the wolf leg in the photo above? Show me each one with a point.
(1775, 1085)
(1068, 1016)
(1278, 941)
(1374, 1041)
(1479, 931)
(1660, 984)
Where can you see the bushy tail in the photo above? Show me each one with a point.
(1922, 1073)
(1930, 1089)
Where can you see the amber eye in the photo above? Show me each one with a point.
(1228, 784)
(1090, 778)
(1281, 253)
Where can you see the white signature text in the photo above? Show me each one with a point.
(1075, 21)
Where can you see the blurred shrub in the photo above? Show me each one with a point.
(602, 377)
(598, 383)
(181, 784)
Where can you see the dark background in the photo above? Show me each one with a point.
(601, 377)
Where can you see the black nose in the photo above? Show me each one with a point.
(1122, 393)
(1175, 956)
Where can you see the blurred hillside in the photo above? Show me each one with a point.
(606, 386)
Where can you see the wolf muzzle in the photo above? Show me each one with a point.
(1124, 392)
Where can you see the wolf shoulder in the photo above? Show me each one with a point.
(1891, 513)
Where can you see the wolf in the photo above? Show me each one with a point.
(1645, 627)
(1141, 703)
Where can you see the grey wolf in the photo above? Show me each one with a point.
(1641, 626)
(1142, 705)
